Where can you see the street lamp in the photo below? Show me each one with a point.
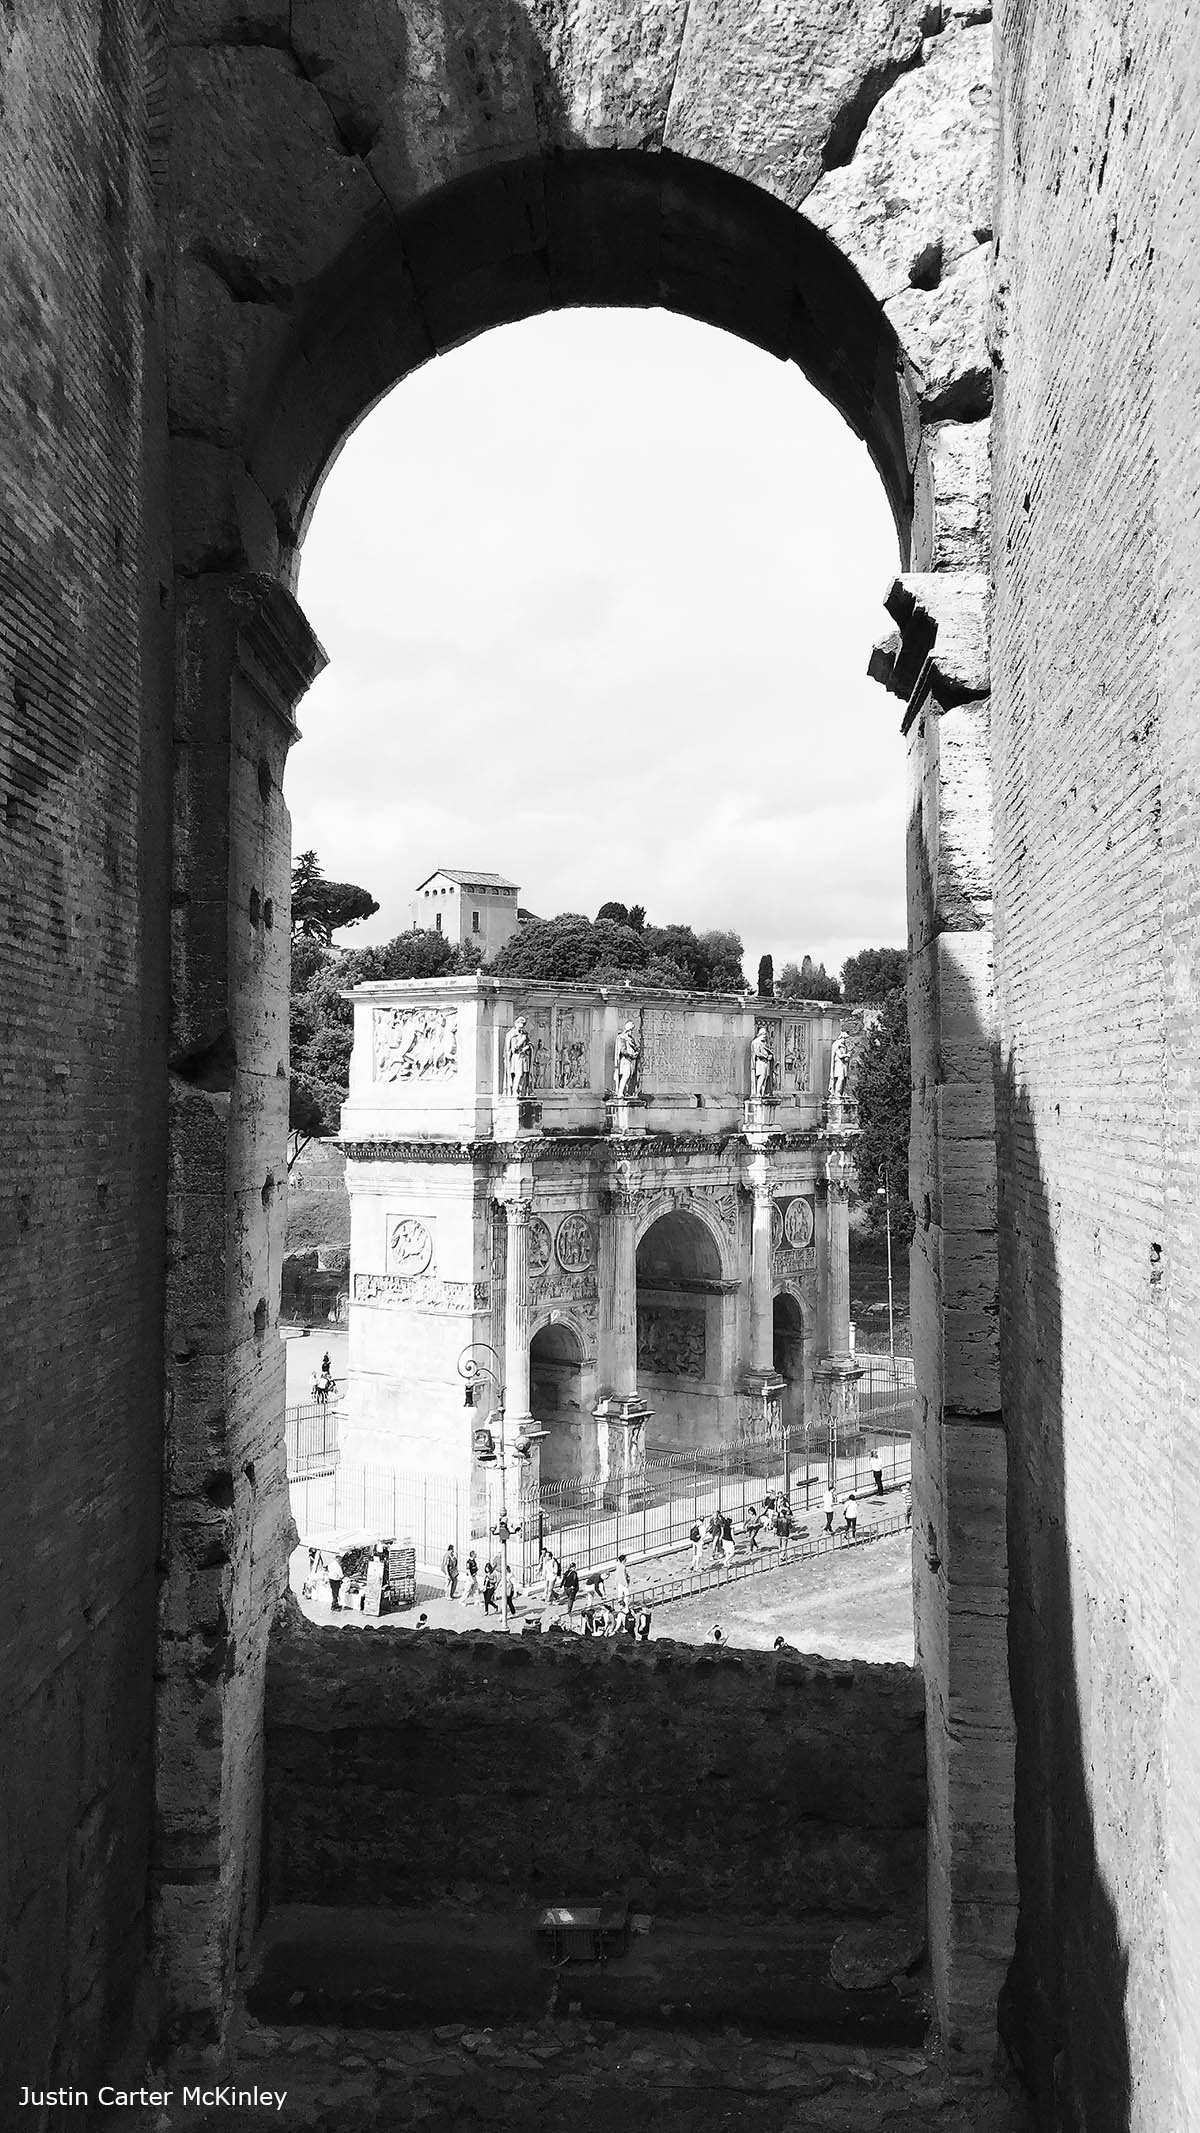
(473, 1373)
(885, 1195)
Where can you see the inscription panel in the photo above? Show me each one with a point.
(675, 1055)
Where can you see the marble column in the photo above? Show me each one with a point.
(516, 1314)
(762, 1306)
(618, 1299)
(836, 1377)
(838, 1288)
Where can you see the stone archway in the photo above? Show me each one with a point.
(557, 1402)
(684, 1334)
(343, 207)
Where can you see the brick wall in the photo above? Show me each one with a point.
(84, 738)
(541, 1769)
(1095, 769)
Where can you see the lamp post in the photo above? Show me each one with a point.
(473, 1372)
(885, 1195)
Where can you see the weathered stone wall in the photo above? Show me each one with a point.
(354, 190)
(84, 768)
(545, 1769)
(1096, 762)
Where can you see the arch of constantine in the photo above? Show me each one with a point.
(587, 1185)
(232, 225)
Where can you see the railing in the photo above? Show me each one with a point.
(378, 1504)
(310, 1435)
(691, 1583)
(677, 1491)
(886, 1391)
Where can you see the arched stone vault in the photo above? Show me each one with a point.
(347, 191)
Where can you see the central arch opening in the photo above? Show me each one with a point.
(684, 1335)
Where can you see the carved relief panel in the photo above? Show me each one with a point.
(572, 1048)
(415, 1044)
(671, 1341)
(541, 1059)
(796, 1071)
(409, 1245)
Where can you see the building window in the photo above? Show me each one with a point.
(437, 920)
(474, 921)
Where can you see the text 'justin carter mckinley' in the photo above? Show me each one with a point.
(214, 2099)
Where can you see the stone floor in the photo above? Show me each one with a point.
(577, 2077)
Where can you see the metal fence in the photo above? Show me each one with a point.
(886, 1392)
(684, 1489)
(426, 1509)
(310, 1435)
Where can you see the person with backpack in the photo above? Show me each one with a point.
(696, 1538)
(783, 1527)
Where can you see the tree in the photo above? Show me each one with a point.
(869, 976)
(633, 915)
(306, 1117)
(807, 981)
(569, 947)
(321, 908)
(882, 1089)
(606, 952)
(766, 977)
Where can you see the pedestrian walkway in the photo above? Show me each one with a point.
(684, 1584)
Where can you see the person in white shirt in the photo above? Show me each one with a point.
(335, 1574)
(829, 1506)
(850, 1514)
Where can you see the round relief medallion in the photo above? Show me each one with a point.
(798, 1224)
(539, 1245)
(411, 1246)
(575, 1243)
(776, 1226)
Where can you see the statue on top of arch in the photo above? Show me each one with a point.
(839, 1068)
(627, 1065)
(762, 1064)
(518, 1059)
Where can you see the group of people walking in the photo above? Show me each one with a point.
(482, 1589)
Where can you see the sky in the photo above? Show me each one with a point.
(598, 592)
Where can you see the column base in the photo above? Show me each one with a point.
(625, 1114)
(621, 1444)
(760, 1113)
(836, 1380)
(760, 1406)
(515, 1115)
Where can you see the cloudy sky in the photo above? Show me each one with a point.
(598, 592)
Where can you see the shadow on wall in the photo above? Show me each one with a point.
(1062, 2012)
